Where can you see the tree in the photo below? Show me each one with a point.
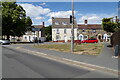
(48, 33)
(14, 20)
(109, 25)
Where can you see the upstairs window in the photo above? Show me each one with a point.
(83, 30)
(57, 31)
(65, 31)
(94, 30)
(64, 23)
(57, 23)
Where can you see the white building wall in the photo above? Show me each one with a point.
(62, 34)
(30, 37)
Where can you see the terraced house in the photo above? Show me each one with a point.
(61, 30)
(91, 30)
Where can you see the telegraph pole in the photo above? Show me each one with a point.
(72, 28)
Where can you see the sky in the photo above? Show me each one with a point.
(94, 12)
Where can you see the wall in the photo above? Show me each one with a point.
(62, 34)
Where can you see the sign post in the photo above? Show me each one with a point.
(36, 29)
(72, 28)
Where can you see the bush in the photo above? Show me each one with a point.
(92, 37)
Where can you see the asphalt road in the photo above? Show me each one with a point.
(17, 64)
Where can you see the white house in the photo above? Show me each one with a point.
(61, 30)
(31, 36)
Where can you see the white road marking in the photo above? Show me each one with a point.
(80, 64)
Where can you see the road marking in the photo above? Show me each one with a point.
(18, 47)
(76, 63)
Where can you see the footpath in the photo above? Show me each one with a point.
(103, 61)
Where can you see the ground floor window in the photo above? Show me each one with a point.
(57, 37)
(25, 38)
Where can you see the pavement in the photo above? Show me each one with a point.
(103, 61)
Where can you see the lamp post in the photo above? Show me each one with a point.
(72, 28)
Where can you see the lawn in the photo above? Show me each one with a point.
(85, 48)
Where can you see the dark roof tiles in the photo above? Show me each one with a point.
(90, 26)
(38, 26)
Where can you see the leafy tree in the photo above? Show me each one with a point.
(48, 33)
(109, 25)
(14, 20)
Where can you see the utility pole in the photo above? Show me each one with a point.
(72, 28)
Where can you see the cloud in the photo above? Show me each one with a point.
(43, 4)
(61, 14)
(39, 18)
(33, 11)
(94, 18)
(49, 21)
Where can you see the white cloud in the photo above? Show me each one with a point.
(39, 18)
(94, 18)
(61, 14)
(34, 11)
(49, 21)
(43, 4)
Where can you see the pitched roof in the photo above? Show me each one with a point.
(38, 26)
(89, 26)
(61, 22)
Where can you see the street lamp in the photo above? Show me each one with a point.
(72, 28)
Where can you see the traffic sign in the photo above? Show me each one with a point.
(35, 29)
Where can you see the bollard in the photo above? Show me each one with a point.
(116, 50)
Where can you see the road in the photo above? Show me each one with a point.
(18, 64)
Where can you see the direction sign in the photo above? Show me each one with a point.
(35, 29)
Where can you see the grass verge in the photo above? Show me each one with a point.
(88, 48)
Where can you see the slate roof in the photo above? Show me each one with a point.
(38, 26)
(90, 26)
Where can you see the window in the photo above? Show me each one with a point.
(65, 31)
(94, 30)
(83, 30)
(57, 37)
(25, 38)
(85, 36)
(64, 23)
(57, 23)
(57, 31)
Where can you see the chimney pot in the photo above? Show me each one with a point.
(86, 22)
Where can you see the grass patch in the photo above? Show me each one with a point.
(89, 48)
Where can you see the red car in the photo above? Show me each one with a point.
(77, 41)
(90, 40)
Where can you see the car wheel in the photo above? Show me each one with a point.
(85, 42)
(95, 42)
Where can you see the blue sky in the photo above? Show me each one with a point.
(93, 11)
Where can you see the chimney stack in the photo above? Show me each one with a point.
(86, 22)
(116, 19)
(43, 30)
(43, 24)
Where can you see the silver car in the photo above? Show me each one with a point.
(4, 42)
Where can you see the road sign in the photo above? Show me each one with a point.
(35, 29)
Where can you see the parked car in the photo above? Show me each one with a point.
(90, 40)
(77, 41)
(4, 42)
